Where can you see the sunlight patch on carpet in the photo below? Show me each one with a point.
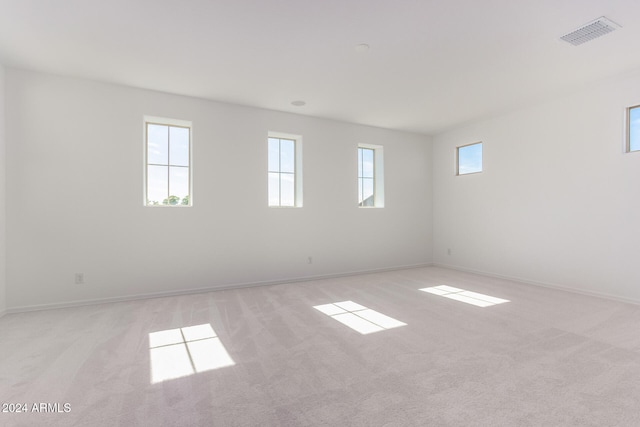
(474, 298)
(359, 317)
(180, 352)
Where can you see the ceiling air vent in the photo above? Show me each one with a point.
(590, 31)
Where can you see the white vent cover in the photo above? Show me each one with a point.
(590, 31)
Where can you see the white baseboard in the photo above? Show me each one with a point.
(542, 284)
(307, 279)
(80, 303)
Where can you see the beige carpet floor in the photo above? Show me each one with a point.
(266, 356)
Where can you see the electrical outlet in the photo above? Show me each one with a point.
(309, 260)
(79, 278)
(449, 251)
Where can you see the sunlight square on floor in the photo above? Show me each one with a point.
(469, 297)
(176, 353)
(359, 317)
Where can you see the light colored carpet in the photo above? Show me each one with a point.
(545, 358)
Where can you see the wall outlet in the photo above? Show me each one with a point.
(79, 278)
(449, 251)
(309, 260)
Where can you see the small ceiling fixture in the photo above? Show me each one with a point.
(299, 103)
(362, 47)
(590, 31)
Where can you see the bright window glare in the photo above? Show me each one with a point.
(359, 317)
(474, 298)
(168, 175)
(470, 159)
(634, 129)
(366, 176)
(176, 353)
(282, 172)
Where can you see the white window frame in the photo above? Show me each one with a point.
(297, 168)
(378, 175)
(171, 123)
(628, 130)
(458, 173)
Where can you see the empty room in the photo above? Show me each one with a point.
(319, 213)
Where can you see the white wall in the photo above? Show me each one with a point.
(3, 283)
(558, 202)
(74, 168)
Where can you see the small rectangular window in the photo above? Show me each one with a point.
(633, 129)
(370, 176)
(167, 162)
(469, 159)
(284, 170)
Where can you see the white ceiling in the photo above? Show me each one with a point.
(432, 64)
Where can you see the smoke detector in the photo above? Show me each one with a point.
(590, 31)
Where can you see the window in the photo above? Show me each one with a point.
(284, 170)
(168, 162)
(633, 129)
(469, 159)
(370, 176)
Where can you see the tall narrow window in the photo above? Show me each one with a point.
(469, 159)
(366, 177)
(168, 162)
(370, 176)
(633, 130)
(284, 161)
